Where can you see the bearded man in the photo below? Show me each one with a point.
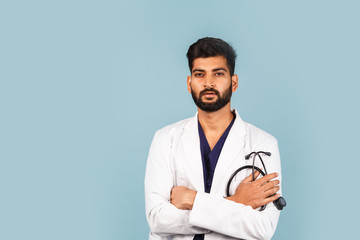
(191, 161)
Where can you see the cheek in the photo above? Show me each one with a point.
(225, 85)
(195, 91)
(194, 86)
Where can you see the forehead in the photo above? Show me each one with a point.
(210, 63)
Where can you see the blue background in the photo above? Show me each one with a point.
(85, 84)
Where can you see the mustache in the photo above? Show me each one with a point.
(209, 89)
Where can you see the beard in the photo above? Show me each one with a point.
(222, 99)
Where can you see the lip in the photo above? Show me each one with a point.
(209, 93)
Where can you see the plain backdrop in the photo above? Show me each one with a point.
(85, 85)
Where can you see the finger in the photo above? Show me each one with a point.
(266, 178)
(250, 177)
(271, 199)
(271, 184)
(272, 191)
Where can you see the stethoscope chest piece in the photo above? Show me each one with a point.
(280, 203)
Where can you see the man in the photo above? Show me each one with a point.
(191, 161)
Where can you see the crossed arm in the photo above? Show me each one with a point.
(167, 207)
(250, 193)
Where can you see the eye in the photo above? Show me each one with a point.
(198, 74)
(219, 74)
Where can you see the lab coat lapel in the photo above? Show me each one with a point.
(233, 146)
(191, 143)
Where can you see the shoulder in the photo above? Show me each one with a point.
(252, 133)
(258, 136)
(169, 132)
(172, 128)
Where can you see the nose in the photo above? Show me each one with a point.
(208, 82)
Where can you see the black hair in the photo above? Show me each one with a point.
(212, 47)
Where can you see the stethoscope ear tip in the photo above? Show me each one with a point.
(257, 153)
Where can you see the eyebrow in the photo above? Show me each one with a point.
(214, 70)
(198, 70)
(219, 69)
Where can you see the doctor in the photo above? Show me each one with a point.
(191, 161)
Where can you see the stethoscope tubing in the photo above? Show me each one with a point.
(279, 203)
(237, 171)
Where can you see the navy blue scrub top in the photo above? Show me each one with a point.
(210, 159)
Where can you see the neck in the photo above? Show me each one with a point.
(215, 121)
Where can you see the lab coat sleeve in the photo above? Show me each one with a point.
(163, 217)
(220, 215)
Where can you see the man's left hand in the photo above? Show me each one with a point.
(182, 197)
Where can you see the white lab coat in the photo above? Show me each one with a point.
(175, 160)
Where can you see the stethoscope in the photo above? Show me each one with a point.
(279, 203)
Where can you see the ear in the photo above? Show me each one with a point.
(188, 83)
(235, 82)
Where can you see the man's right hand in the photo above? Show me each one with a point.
(257, 193)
